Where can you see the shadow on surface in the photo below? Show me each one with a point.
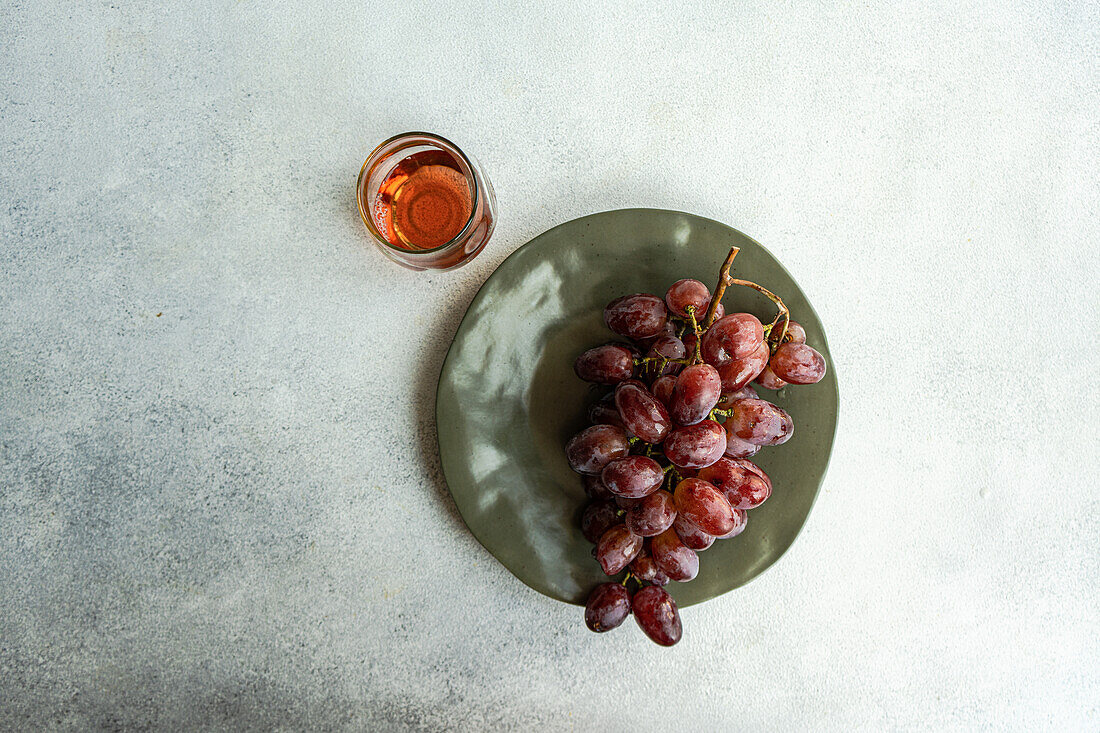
(441, 331)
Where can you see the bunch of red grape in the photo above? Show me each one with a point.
(665, 462)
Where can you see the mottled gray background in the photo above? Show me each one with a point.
(221, 505)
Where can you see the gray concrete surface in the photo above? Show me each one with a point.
(220, 505)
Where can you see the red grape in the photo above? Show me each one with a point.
(633, 476)
(732, 337)
(669, 329)
(691, 535)
(740, 519)
(719, 311)
(678, 560)
(657, 615)
(652, 515)
(593, 448)
(604, 412)
(696, 393)
(594, 488)
(739, 372)
(742, 488)
(795, 333)
(662, 388)
(598, 517)
(616, 548)
(704, 505)
(669, 347)
(768, 380)
(760, 422)
(608, 606)
(737, 448)
(644, 414)
(624, 503)
(798, 364)
(728, 398)
(695, 446)
(688, 292)
(689, 338)
(753, 492)
(607, 364)
(644, 568)
(750, 466)
(636, 316)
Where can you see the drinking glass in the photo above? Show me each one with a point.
(426, 204)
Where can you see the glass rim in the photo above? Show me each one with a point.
(369, 221)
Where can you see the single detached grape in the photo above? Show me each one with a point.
(668, 347)
(705, 506)
(662, 388)
(695, 446)
(760, 422)
(636, 316)
(604, 412)
(742, 488)
(691, 535)
(695, 394)
(607, 364)
(657, 615)
(652, 515)
(608, 606)
(644, 414)
(732, 337)
(679, 561)
(616, 548)
(598, 517)
(737, 448)
(737, 373)
(644, 568)
(593, 448)
(633, 476)
(798, 364)
(740, 519)
(688, 292)
(768, 380)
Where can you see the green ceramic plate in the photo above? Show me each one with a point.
(508, 400)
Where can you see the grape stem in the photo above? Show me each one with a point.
(725, 280)
(720, 289)
(783, 314)
(697, 358)
(645, 360)
(672, 477)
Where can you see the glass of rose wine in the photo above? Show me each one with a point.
(426, 204)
